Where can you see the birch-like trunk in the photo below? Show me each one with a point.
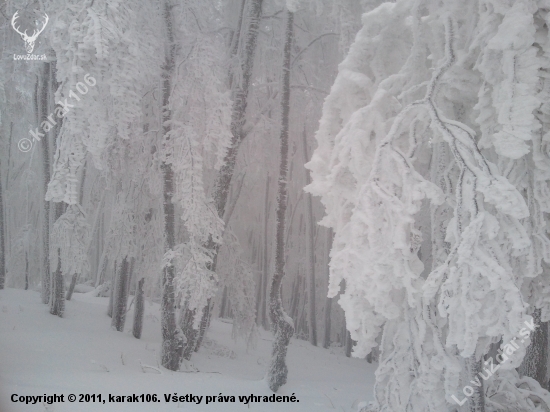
(172, 338)
(282, 323)
(224, 176)
(310, 245)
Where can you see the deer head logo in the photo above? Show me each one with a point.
(29, 40)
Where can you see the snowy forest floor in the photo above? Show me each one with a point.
(43, 354)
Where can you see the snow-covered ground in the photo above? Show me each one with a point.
(43, 354)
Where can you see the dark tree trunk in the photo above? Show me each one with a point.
(26, 271)
(139, 310)
(130, 275)
(223, 179)
(187, 318)
(71, 287)
(310, 245)
(223, 305)
(44, 144)
(224, 176)
(102, 272)
(278, 371)
(477, 400)
(172, 337)
(57, 299)
(259, 289)
(2, 240)
(328, 304)
(205, 322)
(113, 292)
(349, 344)
(265, 269)
(536, 358)
(121, 297)
(294, 298)
(235, 42)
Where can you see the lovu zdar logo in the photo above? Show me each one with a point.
(39, 25)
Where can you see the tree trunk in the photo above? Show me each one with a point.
(477, 400)
(310, 245)
(57, 299)
(130, 275)
(121, 297)
(205, 323)
(102, 270)
(2, 239)
(113, 292)
(139, 310)
(71, 287)
(259, 289)
(278, 371)
(234, 46)
(265, 275)
(536, 358)
(349, 344)
(223, 305)
(187, 318)
(44, 144)
(172, 338)
(26, 270)
(224, 176)
(328, 304)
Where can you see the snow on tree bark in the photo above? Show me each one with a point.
(172, 337)
(121, 297)
(328, 304)
(139, 310)
(43, 114)
(535, 361)
(2, 238)
(281, 323)
(71, 286)
(240, 95)
(112, 290)
(70, 235)
(57, 298)
(310, 246)
(265, 262)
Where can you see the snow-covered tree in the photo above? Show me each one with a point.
(283, 327)
(430, 165)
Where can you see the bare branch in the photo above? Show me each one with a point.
(310, 44)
